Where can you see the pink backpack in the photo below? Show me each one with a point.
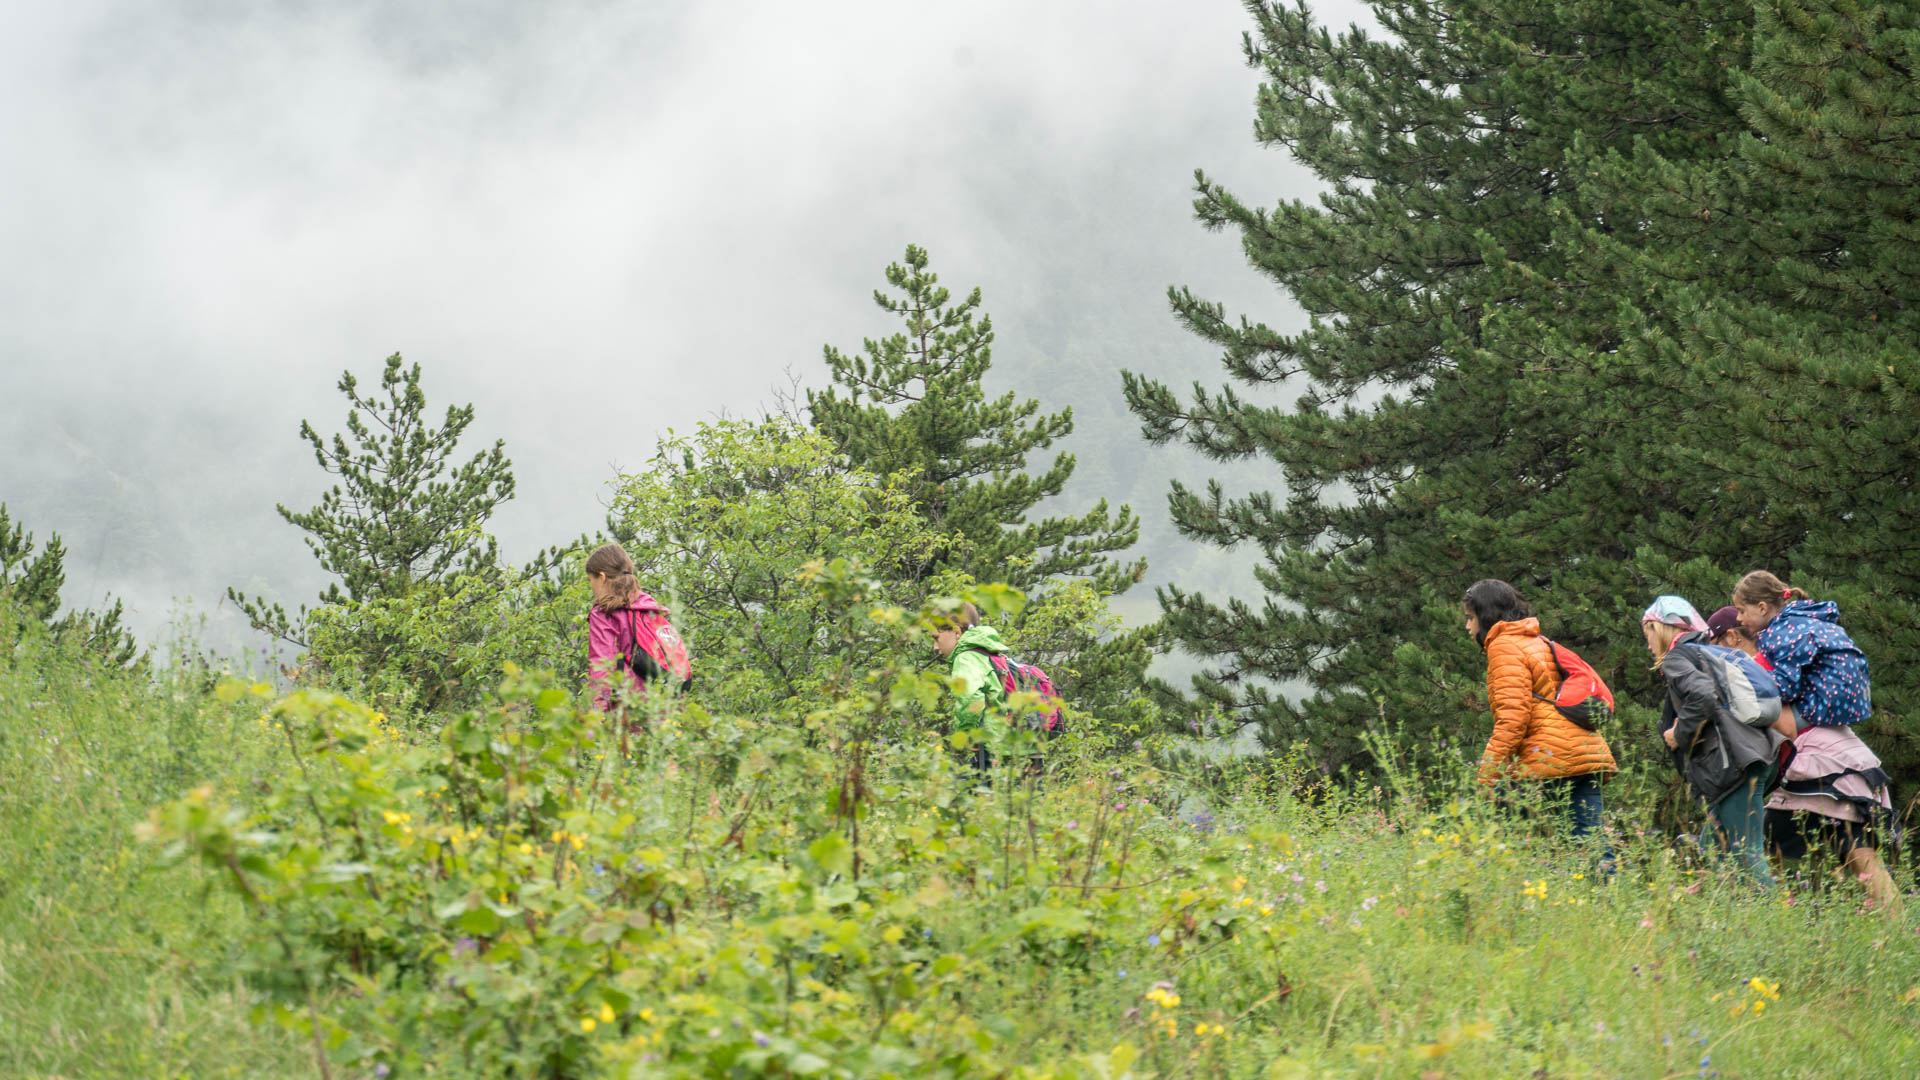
(1019, 678)
(658, 649)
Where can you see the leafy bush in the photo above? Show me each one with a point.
(722, 525)
(442, 645)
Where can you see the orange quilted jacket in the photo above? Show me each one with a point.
(1531, 740)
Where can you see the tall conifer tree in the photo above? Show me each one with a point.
(1460, 414)
(1783, 308)
(916, 400)
(402, 511)
(33, 581)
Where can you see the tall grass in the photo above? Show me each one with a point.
(110, 966)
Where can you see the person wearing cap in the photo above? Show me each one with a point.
(1724, 630)
(1728, 764)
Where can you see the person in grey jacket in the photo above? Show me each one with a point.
(1728, 764)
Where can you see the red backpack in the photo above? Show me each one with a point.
(1582, 698)
(658, 650)
(1019, 678)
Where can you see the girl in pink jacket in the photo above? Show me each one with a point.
(630, 642)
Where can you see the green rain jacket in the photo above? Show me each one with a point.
(983, 692)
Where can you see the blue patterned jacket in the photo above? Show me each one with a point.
(1821, 672)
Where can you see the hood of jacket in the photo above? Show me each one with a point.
(1694, 637)
(1515, 627)
(644, 601)
(1823, 610)
(984, 638)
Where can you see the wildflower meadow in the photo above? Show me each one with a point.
(207, 877)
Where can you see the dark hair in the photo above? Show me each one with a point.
(1493, 601)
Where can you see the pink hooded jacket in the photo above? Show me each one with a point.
(610, 636)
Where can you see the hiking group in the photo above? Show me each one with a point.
(1758, 710)
(1759, 705)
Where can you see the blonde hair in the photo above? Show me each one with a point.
(613, 561)
(1760, 587)
(1664, 633)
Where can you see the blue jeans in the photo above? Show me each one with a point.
(1585, 809)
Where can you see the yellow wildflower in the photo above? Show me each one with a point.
(587, 1024)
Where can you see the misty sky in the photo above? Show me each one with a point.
(592, 220)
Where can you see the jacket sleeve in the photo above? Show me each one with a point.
(1695, 699)
(1510, 692)
(972, 667)
(603, 647)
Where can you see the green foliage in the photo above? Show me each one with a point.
(107, 966)
(914, 404)
(30, 585)
(402, 511)
(723, 523)
(1780, 306)
(740, 898)
(761, 898)
(443, 645)
(31, 582)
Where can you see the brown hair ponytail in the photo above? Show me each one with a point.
(612, 560)
(1760, 587)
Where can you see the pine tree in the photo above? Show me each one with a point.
(915, 400)
(1462, 408)
(402, 511)
(1786, 303)
(30, 581)
(33, 582)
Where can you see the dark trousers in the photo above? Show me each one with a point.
(1738, 823)
(1579, 799)
(982, 763)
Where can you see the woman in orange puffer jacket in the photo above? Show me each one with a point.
(1531, 740)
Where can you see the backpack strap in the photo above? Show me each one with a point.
(1554, 656)
(645, 669)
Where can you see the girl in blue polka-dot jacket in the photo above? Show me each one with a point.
(1834, 793)
(1821, 672)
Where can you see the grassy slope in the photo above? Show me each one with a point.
(107, 966)
(1371, 936)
